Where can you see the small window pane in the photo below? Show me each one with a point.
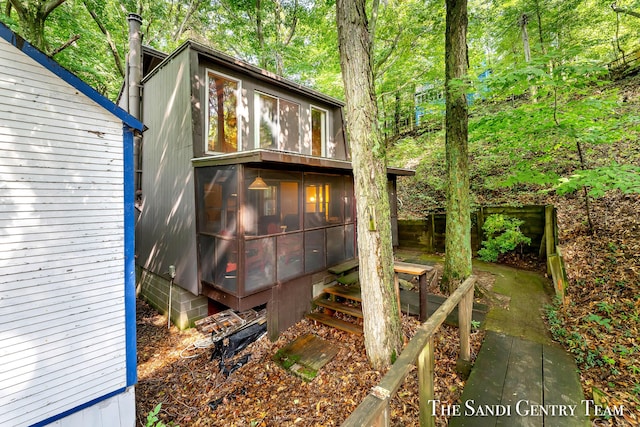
(259, 256)
(218, 262)
(217, 200)
(223, 120)
(349, 205)
(335, 245)
(349, 241)
(289, 126)
(318, 131)
(314, 250)
(290, 262)
(267, 112)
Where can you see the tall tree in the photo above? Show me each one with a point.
(382, 327)
(32, 16)
(457, 265)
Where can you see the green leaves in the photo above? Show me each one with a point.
(625, 178)
(152, 417)
(503, 235)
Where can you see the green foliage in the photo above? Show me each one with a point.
(152, 417)
(503, 235)
(625, 178)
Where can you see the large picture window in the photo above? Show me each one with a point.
(277, 123)
(222, 117)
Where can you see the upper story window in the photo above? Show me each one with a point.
(222, 113)
(277, 123)
(318, 132)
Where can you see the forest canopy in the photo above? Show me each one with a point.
(298, 40)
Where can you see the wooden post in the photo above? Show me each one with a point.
(548, 232)
(422, 283)
(425, 383)
(480, 224)
(465, 310)
(396, 285)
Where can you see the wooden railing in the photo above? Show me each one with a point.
(374, 409)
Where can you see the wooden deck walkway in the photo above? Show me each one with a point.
(516, 382)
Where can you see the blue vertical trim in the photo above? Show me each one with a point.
(129, 257)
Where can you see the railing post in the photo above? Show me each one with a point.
(425, 383)
(465, 310)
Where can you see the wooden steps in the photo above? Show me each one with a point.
(349, 279)
(347, 292)
(335, 323)
(344, 268)
(339, 299)
(338, 306)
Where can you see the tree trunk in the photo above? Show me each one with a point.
(32, 16)
(110, 42)
(382, 327)
(457, 265)
(524, 20)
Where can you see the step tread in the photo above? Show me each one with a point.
(349, 279)
(348, 292)
(335, 323)
(337, 306)
(344, 267)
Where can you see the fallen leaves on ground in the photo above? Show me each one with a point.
(601, 324)
(174, 372)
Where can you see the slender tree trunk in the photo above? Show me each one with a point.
(524, 20)
(262, 56)
(110, 42)
(539, 18)
(457, 265)
(382, 327)
(583, 164)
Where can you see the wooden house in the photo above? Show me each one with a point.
(67, 270)
(247, 189)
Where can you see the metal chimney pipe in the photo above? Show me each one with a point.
(134, 78)
(135, 68)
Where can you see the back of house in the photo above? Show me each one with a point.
(246, 190)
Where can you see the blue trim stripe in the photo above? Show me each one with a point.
(129, 257)
(79, 408)
(68, 77)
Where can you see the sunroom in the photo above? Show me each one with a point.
(247, 189)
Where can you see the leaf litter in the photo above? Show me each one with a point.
(194, 392)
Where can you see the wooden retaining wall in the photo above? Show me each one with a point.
(428, 234)
(540, 225)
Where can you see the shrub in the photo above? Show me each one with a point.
(503, 235)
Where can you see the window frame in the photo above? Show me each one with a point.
(257, 117)
(238, 93)
(324, 129)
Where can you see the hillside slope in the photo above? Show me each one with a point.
(518, 155)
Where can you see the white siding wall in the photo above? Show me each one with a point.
(62, 330)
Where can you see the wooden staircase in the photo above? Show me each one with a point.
(342, 297)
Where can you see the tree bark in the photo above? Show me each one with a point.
(32, 18)
(382, 326)
(524, 20)
(458, 229)
(110, 42)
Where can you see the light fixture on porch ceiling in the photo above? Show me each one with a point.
(258, 184)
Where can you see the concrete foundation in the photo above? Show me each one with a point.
(186, 307)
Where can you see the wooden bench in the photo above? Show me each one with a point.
(421, 272)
